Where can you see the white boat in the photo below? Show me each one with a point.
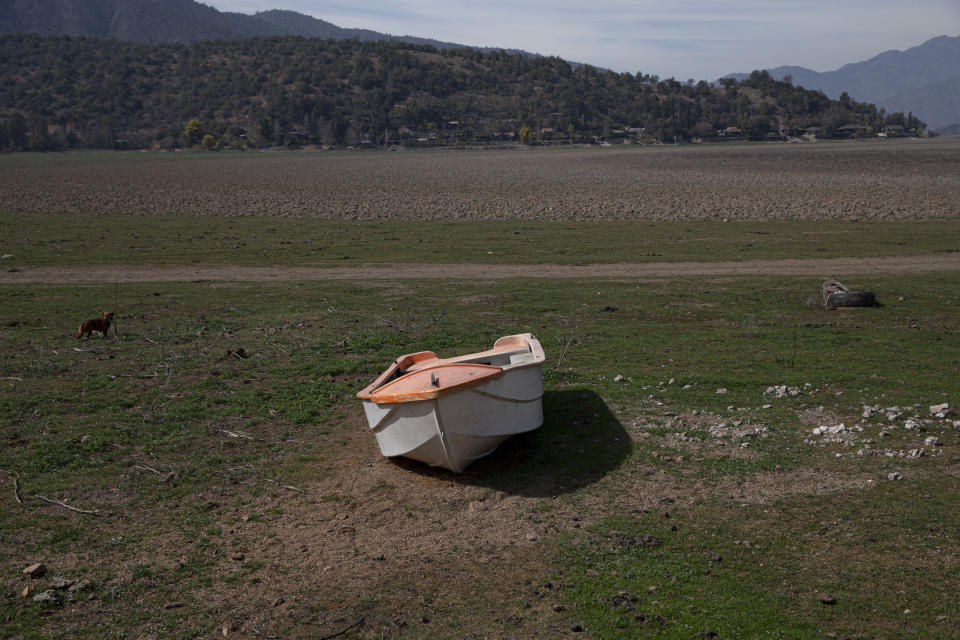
(448, 412)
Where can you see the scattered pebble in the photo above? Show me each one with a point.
(52, 596)
(894, 475)
(36, 570)
(940, 410)
(782, 391)
(59, 582)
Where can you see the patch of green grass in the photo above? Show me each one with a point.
(759, 570)
(44, 239)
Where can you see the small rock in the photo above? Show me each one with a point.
(721, 391)
(173, 605)
(79, 585)
(894, 475)
(277, 601)
(932, 441)
(558, 608)
(618, 378)
(826, 598)
(576, 628)
(237, 556)
(26, 591)
(35, 570)
(50, 596)
(341, 516)
(59, 582)
(424, 620)
(940, 410)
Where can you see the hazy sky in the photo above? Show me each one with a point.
(699, 39)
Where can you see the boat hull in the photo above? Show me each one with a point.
(453, 430)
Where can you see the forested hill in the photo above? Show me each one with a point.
(63, 91)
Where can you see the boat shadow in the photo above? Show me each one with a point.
(579, 443)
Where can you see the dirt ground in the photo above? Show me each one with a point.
(182, 273)
(892, 180)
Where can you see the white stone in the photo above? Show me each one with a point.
(932, 441)
(618, 378)
(721, 391)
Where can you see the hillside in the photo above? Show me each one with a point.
(61, 91)
(894, 80)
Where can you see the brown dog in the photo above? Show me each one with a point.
(101, 324)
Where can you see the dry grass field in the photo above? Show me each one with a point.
(829, 181)
(719, 458)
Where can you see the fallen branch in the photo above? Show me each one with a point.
(237, 434)
(12, 378)
(66, 506)
(287, 486)
(166, 476)
(150, 341)
(150, 469)
(340, 633)
(16, 490)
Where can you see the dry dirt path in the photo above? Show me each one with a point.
(185, 273)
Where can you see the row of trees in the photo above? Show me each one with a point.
(61, 91)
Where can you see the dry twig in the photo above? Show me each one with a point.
(66, 506)
(287, 486)
(340, 633)
(12, 378)
(237, 434)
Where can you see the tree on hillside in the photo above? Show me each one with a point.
(526, 135)
(192, 132)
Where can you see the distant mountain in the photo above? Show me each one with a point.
(177, 21)
(922, 79)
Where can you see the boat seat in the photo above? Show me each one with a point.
(494, 357)
(521, 358)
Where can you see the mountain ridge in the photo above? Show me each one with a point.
(182, 21)
(888, 78)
